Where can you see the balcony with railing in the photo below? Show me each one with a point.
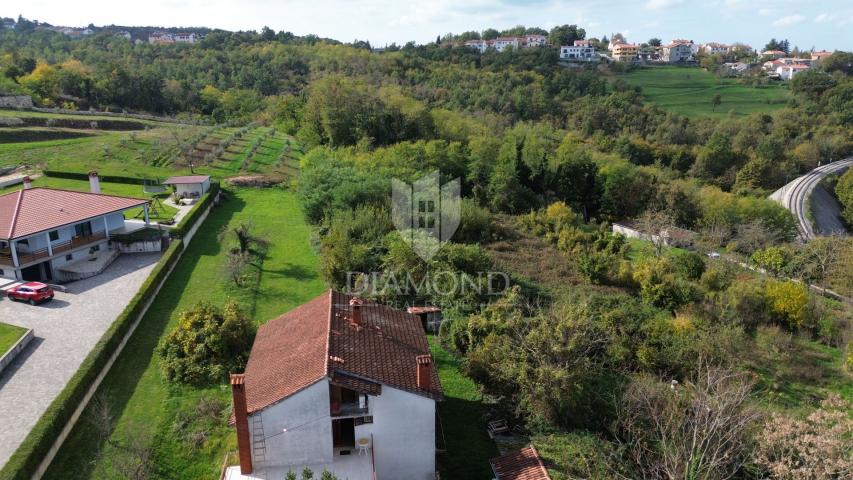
(26, 257)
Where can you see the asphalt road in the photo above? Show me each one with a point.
(793, 196)
(65, 331)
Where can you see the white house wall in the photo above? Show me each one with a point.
(403, 431)
(308, 440)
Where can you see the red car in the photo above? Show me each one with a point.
(32, 292)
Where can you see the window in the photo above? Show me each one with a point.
(2, 272)
(54, 235)
(69, 257)
(363, 420)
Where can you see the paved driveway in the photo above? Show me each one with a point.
(65, 331)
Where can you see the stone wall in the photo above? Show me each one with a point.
(16, 101)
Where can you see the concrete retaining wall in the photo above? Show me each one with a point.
(16, 101)
(17, 348)
(146, 246)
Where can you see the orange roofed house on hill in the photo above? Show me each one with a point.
(43, 230)
(337, 384)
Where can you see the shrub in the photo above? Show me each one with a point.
(691, 265)
(207, 344)
(788, 302)
(811, 449)
(475, 225)
(771, 259)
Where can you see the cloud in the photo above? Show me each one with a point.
(823, 17)
(661, 4)
(765, 12)
(789, 20)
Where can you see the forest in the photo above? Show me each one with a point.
(585, 347)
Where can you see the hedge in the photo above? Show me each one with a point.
(29, 455)
(104, 178)
(187, 222)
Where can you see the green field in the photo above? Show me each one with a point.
(689, 90)
(145, 406)
(462, 411)
(9, 334)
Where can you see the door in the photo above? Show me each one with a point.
(343, 433)
(83, 229)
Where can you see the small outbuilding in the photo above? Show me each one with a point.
(190, 186)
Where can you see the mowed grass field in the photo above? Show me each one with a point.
(9, 334)
(164, 417)
(689, 90)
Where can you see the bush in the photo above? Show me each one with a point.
(691, 265)
(817, 447)
(475, 225)
(788, 302)
(207, 344)
(24, 462)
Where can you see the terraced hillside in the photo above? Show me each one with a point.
(142, 148)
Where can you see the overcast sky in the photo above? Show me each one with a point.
(824, 24)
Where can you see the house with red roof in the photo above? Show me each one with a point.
(189, 186)
(337, 384)
(524, 464)
(43, 230)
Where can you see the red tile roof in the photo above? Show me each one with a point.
(34, 210)
(318, 340)
(523, 464)
(186, 179)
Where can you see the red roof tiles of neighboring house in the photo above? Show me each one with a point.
(35, 210)
(319, 340)
(523, 464)
(186, 179)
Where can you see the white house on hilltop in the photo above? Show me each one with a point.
(337, 385)
(678, 51)
(581, 51)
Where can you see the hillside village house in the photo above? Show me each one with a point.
(501, 43)
(678, 51)
(339, 385)
(625, 52)
(818, 56)
(773, 54)
(714, 48)
(581, 51)
(43, 230)
(167, 37)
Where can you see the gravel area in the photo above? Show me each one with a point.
(65, 330)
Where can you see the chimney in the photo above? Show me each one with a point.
(424, 372)
(355, 304)
(241, 421)
(28, 183)
(94, 182)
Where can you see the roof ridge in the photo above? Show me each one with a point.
(329, 331)
(15, 215)
(87, 193)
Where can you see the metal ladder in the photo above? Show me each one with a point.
(259, 443)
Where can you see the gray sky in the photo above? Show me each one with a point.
(824, 24)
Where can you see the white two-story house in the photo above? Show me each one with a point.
(44, 229)
(339, 385)
(581, 51)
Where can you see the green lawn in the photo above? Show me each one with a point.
(469, 447)
(689, 91)
(163, 211)
(143, 404)
(110, 153)
(9, 334)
